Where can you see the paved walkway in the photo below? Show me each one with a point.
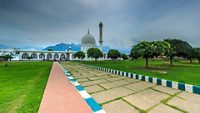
(60, 95)
(118, 94)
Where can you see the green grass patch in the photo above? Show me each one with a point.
(181, 71)
(22, 85)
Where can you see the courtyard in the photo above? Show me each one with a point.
(118, 94)
(181, 71)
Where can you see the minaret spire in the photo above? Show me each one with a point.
(101, 36)
(88, 31)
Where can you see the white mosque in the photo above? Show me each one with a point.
(88, 41)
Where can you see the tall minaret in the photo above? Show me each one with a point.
(101, 36)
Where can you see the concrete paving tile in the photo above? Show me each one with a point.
(119, 106)
(80, 77)
(166, 89)
(111, 94)
(94, 88)
(113, 75)
(101, 74)
(190, 97)
(188, 102)
(98, 77)
(162, 108)
(94, 82)
(122, 77)
(109, 85)
(87, 74)
(146, 99)
(131, 80)
(113, 78)
(96, 71)
(139, 86)
(83, 79)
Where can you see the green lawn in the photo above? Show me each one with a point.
(22, 85)
(181, 71)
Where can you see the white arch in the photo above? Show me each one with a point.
(56, 56)
(49, 56)
(25, 55)
(62, 56)
(34, 56)
(42, 56)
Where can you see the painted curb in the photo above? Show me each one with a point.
(95, 107)
(163, 82)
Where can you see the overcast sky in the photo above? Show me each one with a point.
(39, 23)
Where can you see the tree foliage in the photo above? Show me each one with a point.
(145, 49)
(124, 57)
(197, 54)
(179, 48)
(134, 52)
(80, 55)
(149, 49)
(49, 49)
(168, 47)
(6, 58)
(94, 53)
(160, 48)
(191, 54)
(113, 54)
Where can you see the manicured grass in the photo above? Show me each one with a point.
(22, 85)
(181, 71)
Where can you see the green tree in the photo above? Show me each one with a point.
(49, 49)
(145, 49)
(94, 53)
(17, 52)
(80, 55)
(170, 53)
(197, 54)
(6, 58)
(160, 48)
(191, 54)
(124, 57)
(149, 49)
(113, 54)
(134, 52)
(178, 48)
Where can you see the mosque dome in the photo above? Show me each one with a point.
(88, 39)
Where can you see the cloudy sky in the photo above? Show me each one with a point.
(39, 23)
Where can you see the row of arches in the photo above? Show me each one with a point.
(42, 56)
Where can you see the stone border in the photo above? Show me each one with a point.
(167, 83)
(95, 107)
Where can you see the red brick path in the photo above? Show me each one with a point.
(60, 95)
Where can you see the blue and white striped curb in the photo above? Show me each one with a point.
(167, 83)
(96, 108)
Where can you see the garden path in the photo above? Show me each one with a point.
(60, 96)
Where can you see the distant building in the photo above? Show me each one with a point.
(88, 41)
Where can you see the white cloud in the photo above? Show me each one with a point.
(42, 23)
